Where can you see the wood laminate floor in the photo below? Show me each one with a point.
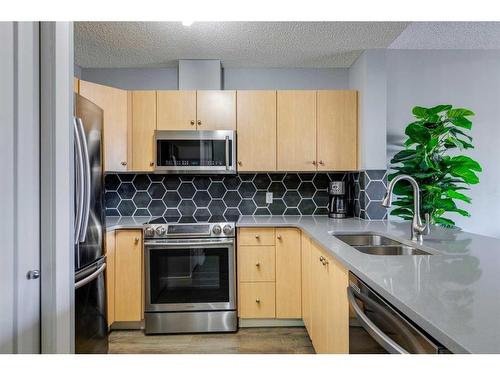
(276, 340)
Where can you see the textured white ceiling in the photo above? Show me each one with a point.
(236, 44)
(449, 35)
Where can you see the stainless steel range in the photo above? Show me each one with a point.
(190, 278)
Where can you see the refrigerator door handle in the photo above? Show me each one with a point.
(78, 182)
(86, 181)
(90, 277)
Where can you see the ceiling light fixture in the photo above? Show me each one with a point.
(187, 23)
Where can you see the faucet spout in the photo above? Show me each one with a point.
(417, 228)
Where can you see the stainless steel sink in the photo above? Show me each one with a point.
(376, 244)
(391, 250)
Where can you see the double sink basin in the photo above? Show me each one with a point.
(376, 244)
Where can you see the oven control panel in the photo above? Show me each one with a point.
(191, 230)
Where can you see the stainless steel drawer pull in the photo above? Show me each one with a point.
(257, 300)
(257, 236)
(257, 264)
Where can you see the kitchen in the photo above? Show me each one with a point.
(233, 196)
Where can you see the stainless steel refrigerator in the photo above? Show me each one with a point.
(91, 328)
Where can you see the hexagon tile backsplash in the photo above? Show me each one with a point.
(186, 198)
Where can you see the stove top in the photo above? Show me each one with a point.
(159, 228)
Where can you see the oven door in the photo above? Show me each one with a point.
(195, 151)
(190, 275)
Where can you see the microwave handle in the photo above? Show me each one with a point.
(385, 341)
(227, 152)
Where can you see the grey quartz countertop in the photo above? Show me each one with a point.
(454, 294)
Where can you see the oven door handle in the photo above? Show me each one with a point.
(188, 243)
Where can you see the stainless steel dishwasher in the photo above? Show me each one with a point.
(379, 328)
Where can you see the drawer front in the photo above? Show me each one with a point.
(256, 263)
(257, 300)
(256, 237)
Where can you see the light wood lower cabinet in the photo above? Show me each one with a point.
(288, 274)
(128, 280)
(110, 275)
(329, 304)
(257, 300)
(306, 282)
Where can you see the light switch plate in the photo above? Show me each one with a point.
(269, 197)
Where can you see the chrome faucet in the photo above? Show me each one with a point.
(417, 228)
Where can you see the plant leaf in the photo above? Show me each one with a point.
(418, 133)
(456, 195)
(465, 161)
(466, 174)
(439, 108)
(459, 112)
(420, 112)
(444, 222)
(461, 122)
(403, 155)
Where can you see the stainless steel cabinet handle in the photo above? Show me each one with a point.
(257, 300)
(151, 164)
(33, 275)
(239, 163)
(79, 192)
(136, 240)
(198, 122)
(124, 163)
(227, 153)
(314, 162)
(257, 236)
(278, 236)
(375, 332)
(90, 277)
(257, 264)
(321, 259)
(192, 122)
(87, 184)
(321, 162)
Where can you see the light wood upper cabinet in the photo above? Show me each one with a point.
(216, 110)
(176, 110)
(296, 130)
(114, 103)
(337, 130)
(143, 127)
(288, 274)
(128, 275)
(256, 126)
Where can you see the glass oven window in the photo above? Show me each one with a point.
(189, 275)
(192, 153)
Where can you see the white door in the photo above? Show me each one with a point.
(19, 188)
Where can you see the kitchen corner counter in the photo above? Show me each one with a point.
(453, 294)
(126, 222)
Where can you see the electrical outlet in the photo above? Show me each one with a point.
(269, 197)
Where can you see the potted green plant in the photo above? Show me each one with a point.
(433, 155)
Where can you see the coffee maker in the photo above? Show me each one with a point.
(338, 203)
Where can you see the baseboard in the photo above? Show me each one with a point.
(248, 323)
(127, 325)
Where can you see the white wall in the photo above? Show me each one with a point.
(368, 76)
(468, 79)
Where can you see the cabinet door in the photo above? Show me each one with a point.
(288, 274)
(337, 131)
(296, 130)
(319, 314)
(76, 85)
(337, 308)
(110, 276)
(143, 127)
(216, 110)
(256, 263)
(114, 104)
(128, 275)
(306, 281)
(257, 300)
(176, 110)
(256, 125)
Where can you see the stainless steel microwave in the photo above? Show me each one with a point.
(188, 151)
